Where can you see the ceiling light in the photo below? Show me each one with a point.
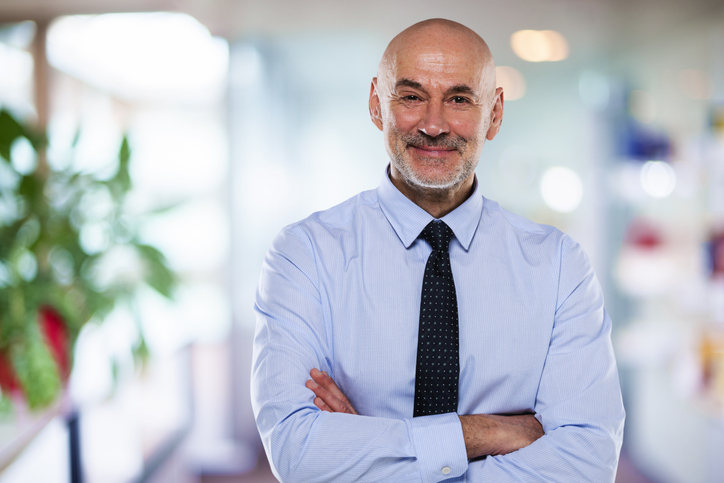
(539, 45)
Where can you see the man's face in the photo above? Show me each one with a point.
(435, 106)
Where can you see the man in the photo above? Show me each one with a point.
(513, 379)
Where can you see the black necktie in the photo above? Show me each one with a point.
(438, 365)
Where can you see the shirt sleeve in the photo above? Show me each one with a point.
(579, 397)
(303, 443)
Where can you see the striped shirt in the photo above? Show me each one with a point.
(340, 291)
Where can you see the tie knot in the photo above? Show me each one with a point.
(438, 235)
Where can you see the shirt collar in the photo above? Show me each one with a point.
(408, 219)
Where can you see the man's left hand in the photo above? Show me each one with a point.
(329, 397)
(485, 434)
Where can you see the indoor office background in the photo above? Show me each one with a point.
(244, 116)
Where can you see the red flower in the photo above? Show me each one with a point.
(8, 380)
(55, 333)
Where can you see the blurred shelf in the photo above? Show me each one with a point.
(18, 429)
(134, 436)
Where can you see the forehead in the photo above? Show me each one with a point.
(436, 65)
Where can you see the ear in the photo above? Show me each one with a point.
(375, 109)
(496, 115)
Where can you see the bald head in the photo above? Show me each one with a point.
(435, 101)
(435, 40)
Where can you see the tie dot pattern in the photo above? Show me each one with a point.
(438, 361)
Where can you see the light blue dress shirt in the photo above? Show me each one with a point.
(340, 291)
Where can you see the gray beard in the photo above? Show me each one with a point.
(420, 139)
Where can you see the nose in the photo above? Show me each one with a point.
(433, 122)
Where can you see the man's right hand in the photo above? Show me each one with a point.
(329, 397)
(492, 434)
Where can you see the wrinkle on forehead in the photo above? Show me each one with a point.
(433, 58)
(437, 42)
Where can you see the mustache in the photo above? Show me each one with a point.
(442, 141)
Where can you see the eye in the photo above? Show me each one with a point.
(459, 100)
(411, 97)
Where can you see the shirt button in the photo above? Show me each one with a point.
(446, 470)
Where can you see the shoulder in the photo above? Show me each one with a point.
(527, 232)
(333, 223)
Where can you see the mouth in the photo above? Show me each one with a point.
(431, 151)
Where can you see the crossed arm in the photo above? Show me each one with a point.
(577, 402)
(484, 434)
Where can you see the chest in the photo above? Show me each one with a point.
(506, 308)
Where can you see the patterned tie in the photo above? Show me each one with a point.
(438, 364)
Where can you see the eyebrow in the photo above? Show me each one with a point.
(461, 89)
(408, 83)
(457, 89)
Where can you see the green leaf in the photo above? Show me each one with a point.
(8, 238)
(162, 210)
(63, 301)
(6, 407)
(31, 190)
(158, 275)
(46, 221)
(122, 180)
(125, 153)
(37, 139)
(76, 138)
(35, 368)
(99, 304)
(141, 352)
(10, 130)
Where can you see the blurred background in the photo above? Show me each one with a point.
(172, 140)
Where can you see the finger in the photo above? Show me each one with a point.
(332, 402)
(319, 402)
(323, 379)
(318, 390)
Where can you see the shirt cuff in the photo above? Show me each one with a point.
(439, 445)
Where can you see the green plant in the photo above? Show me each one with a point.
(52, 278)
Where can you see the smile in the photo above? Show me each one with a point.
(431, 151)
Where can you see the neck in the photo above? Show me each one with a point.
(437, 202)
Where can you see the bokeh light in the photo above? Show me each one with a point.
(562, 189)
(168, 56)
(512, 82)
(539, 45)
(658, 179)
(696, 84)
(642, 106)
